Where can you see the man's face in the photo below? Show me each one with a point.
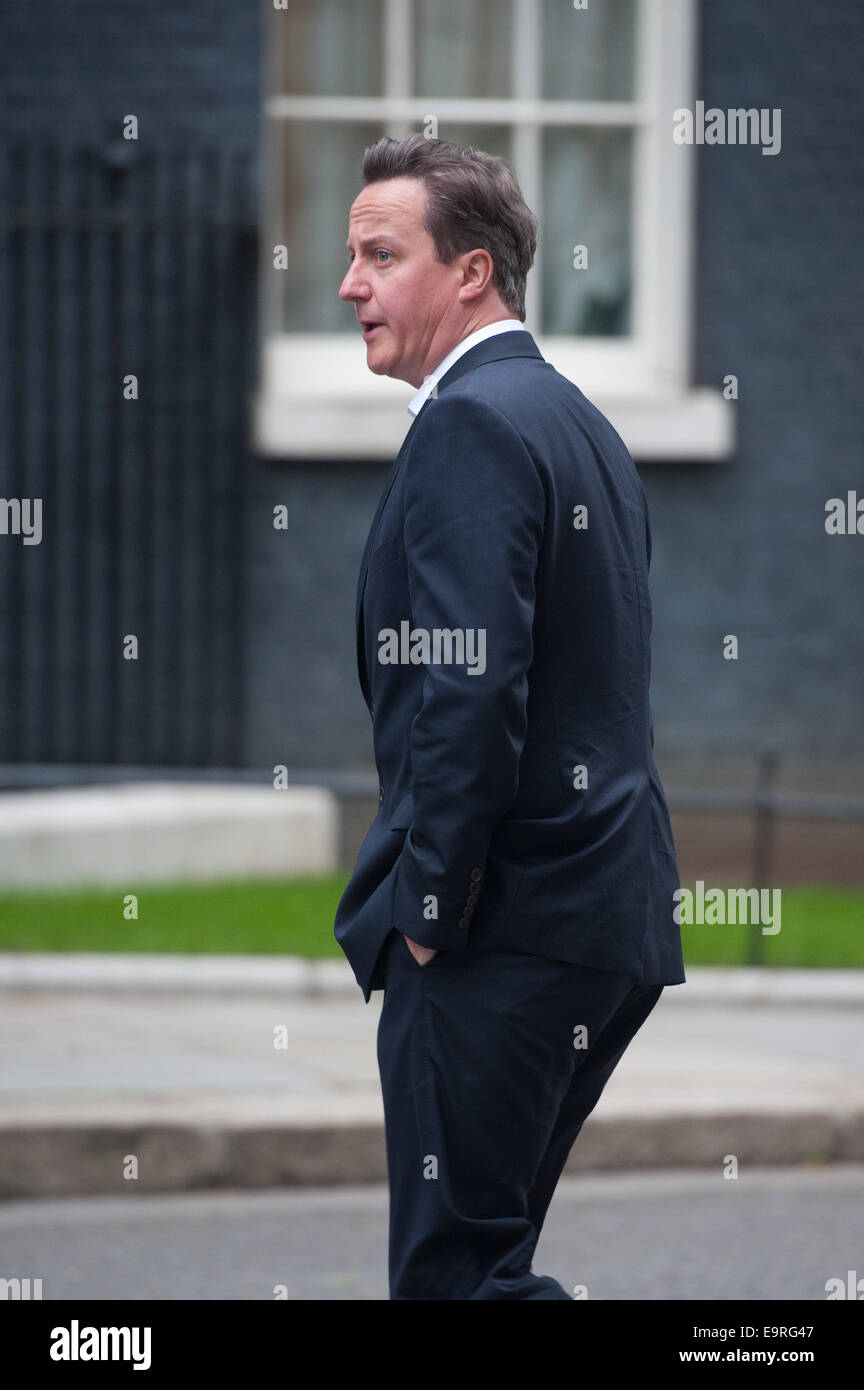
(395, 282)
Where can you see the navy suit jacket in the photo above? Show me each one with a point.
(520, 799)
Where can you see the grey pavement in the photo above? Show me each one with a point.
(256, 1072)
(776, 1235)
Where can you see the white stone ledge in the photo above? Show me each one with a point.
(692, 426)
(158, 832)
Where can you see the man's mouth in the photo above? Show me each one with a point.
(370, 328)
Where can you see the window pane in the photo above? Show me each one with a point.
(588, 54)
(462, 48)
(587, 179)
(492, 139)
(328, 48)
(321, 163)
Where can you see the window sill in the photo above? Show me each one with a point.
(318, 400)
(696, 426)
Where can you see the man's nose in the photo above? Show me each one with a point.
(352, 286)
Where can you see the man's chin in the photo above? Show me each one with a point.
(381, 365)
(384, 364)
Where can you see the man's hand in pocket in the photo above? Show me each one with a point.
(422, 954)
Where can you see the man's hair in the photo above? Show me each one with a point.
(472, 200)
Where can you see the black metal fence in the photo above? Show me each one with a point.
(128, 291)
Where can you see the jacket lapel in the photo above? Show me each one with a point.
(367, 551)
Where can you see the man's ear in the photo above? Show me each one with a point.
(477, 269)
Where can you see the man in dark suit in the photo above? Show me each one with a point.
(514, 895)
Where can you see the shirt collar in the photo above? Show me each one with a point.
(478, 336)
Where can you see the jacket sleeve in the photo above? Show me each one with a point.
(474, 511)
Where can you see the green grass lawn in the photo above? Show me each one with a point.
(819, 926)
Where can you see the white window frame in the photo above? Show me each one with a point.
(317, 399)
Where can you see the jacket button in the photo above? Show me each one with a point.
(380, 796)
(476, 875)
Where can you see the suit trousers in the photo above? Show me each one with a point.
(490, 1061)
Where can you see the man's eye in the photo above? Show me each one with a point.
(382, 253)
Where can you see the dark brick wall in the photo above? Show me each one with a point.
(741, 547)
(189, 69)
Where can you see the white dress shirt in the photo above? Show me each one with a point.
(500, 326)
